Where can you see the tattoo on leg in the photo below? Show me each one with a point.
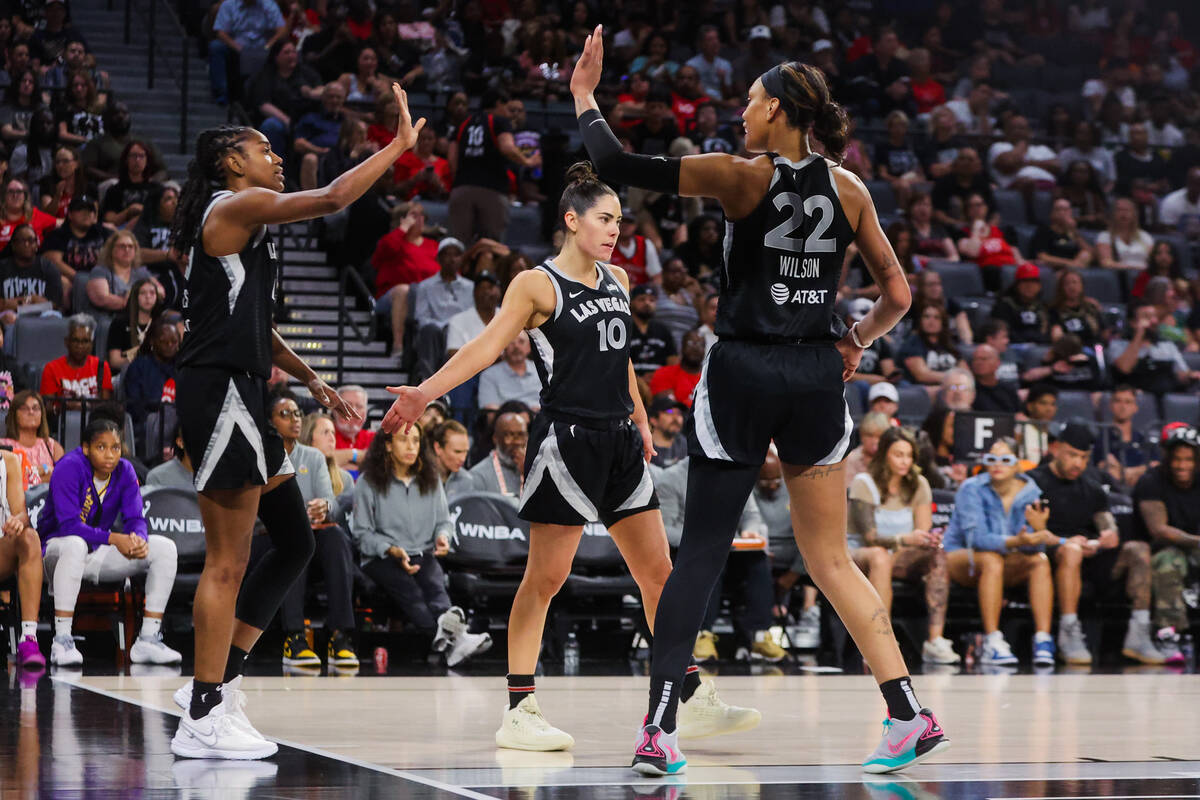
(880, 623)
(812, 473)
(1137, 582)
(937, 593)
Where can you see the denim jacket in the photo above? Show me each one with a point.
(979, 521)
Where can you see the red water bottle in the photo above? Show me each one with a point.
(381, 660)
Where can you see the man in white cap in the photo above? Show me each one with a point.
(884, 399)
(759, 58)
(438, 298)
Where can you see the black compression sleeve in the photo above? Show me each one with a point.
(656, 173)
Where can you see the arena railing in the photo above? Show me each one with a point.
(177, 44)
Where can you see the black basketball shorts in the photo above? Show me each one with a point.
(226, 429)
(752, 393)
(575, 474)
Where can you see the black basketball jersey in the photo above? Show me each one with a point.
(480, 162)
(582, 350)
(783, 261)
(228, 303)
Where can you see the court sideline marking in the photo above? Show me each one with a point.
(408, 776)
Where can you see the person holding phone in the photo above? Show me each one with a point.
(997, 538)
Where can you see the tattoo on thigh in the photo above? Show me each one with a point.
(812, 473)
(880, 623)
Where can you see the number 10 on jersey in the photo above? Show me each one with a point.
(612, 334)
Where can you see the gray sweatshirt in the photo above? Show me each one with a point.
(458, 483)
(312, 474)
(484, 475)
(403, 517)
(343, 504)
(671, 485)
(171, 473)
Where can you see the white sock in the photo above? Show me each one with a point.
(995, 637)
(1042, 636)
(62, 626)
(1141, 616)
(150, 626)
(1068, 619)
(29, 628)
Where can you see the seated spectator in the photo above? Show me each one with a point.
(28, 434)
(153, 228)
(703, 253)
(281, 93)
(1068, 366)
(929, 290)
(1159, 129)
(952, 191)
(1167, 514)
(318, 431)
(657, 129)
(926, 91)
(873, 425)
(125, 199)
(102, 155)
(895, 159)
(1181, 208)
(997, 537)
(466, 325)
(81, 117)
(509, 266)
(973, 112)
(1140, 165)
(513, 377)
(248, 29)
(957, 391)
(1021, 307)
(1160, 293)
(1080, 186)
(352, 438)
(883, 398)
(129, 330)
(651, 343)
(877, 364)
(420, 172)
(91, 486)
(1143, 359)
(991, 394)
(890, 536)
(402, 527)
(22, 99)
(927, 353)
(985, 244)
(634, 253)
(451, 443)
(1124, 451)
(900, 237)
(33, 158)
(177, 471)
(1086, 147)
(1017, 163)
(334, 555)
(12, 377)
(352, 148)
(930, 240)
(994, 332)
(74, 247)
(441, 296)
(1041, 403)
(714, 72)
(21, 558)
(75, 58)
(502, 470)
(677, 300)
(1090, 549)
(709, 135)
(940, 465)
(1162, 263)
(775, 508)
(316, 132)
(118, 267)
(666, 421)
(1124, 245)
(78, 374)
(60, 187)
(403, 257)
(50, 39)
(654, 62)
(937, 157)
(1072, 312)
(26, 278)
(19, 210)
(150, 379)
(687, 96)
(679, 381)
(1060, 244)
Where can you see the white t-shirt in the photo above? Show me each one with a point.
(962, 113)
(1098, 88)
(463, 327)
(1166, 136)
(1136, 252)
(1035, 152)
(1175, 209)
(1099, 157)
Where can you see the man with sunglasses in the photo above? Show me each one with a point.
(1091, 549)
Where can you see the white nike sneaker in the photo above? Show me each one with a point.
(939, 651)
(232, 697)
(524, 728)
(467, 645)
(706, 714)
(218, 735)
(63, 652)
(152, 650)
(450, 624)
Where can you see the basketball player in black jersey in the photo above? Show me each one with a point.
(587, 452)
(234, 190)
(776, 373)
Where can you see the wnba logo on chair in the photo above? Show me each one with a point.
(780, 293)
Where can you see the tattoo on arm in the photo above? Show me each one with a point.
(1154, 512)
(862, 522)
(1104, 521)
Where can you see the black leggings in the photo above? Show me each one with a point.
(283, 513)
(716, 495)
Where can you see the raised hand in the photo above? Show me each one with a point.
(324, 394)
(406, 131)
(406, 409)
(586, 76)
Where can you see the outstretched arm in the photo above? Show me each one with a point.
(286, 359)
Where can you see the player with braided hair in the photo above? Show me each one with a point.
(234, 191)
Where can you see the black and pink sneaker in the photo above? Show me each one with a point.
(657, 754)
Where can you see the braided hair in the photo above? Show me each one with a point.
(206, 175)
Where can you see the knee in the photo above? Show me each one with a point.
(1038, 563)
(309, 161)
(878, 560)
(72, 548)
(989, 563)
(29, 546)
(1139, 552)
(162, 549)
(1069, 554)
(545, 584)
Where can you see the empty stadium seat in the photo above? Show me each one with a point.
(1181, 408)
(1042, 201)
(1075, 406)
(959, 278)
(883, 197)
(1011, 207)
(1102, 285)
(914, 403)
(37, 340)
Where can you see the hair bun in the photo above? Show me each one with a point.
(581, 172)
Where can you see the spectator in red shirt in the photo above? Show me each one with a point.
(984, 243)
(351, 439)
(78, 373)
(420, 171)
(631, 104)
(679, 380)
(926, 91)
(404, 256)
(687, 97)
(18, 209)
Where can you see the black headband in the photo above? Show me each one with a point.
(772, 81)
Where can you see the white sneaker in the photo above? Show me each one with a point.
(706, 714)
(218, 735)
(63, 652)
(467, 645)
(996, 651)
(806, 634)
(232, 697)
(152, 650)
(939, 651)
(449, 625)
(524, 728)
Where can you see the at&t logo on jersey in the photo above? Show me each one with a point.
(780, 293)
(805, 269)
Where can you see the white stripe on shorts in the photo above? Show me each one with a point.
(549, 460)
(234, 415)
(641, 495)
(706, 428)
(839, 450)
